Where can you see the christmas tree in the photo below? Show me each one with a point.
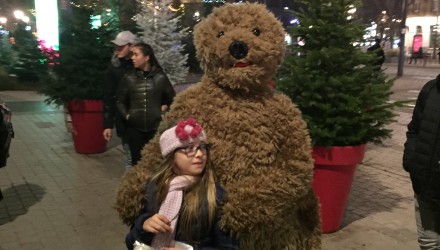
(7, 55)
(158, 28)
(30, 64)
(342, 98)
(85, 53)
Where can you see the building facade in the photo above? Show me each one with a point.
(422, 26)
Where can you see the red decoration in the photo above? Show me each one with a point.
(182, 134)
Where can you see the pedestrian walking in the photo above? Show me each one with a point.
(120, 64)
(6, 135)
(416, 55)
(421, 159)
(144, 93)
(438, 55)
(181, 206)
(380, 54)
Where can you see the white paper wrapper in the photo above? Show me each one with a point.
(181, 245)
(140, 246)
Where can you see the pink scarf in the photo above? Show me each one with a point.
(170, 208)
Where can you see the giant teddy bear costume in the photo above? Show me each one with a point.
(261, 149)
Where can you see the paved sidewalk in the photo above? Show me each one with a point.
(58, 199)
(55, 198)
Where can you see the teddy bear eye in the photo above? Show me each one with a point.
(221, 33)
(256, 31)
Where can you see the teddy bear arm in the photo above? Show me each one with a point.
(261, 199)
(130, 195)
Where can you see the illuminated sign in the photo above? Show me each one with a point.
(417, 43)
(47, 22)
(95, 21)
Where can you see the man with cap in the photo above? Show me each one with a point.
(120, 64)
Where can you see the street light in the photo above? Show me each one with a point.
(351, 11)
(436, 27)
(3, 20)
(18, 14)
(25, 19)
(402, 39)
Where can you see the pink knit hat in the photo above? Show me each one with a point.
(181, 135)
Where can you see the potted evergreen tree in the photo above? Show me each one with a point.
(77, 80)
(343, 99)
(29, 64)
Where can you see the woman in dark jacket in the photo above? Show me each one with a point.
(145, 91)
(182, 200)
(421, 159)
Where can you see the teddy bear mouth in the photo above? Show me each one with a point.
(241, 64)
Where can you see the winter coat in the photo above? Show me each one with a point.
(111, 118)
(380, 54)
(141, 96)
(6, 134)
(421, 156)
(206, 238)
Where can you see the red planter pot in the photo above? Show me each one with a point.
(333, 176)
(87, 121)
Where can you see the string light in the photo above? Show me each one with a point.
(175, 10)
(93, 5)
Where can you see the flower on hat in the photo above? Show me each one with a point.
(184, 134)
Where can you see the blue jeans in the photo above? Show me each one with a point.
(428, 224)
(127, 154)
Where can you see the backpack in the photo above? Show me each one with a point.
(6, 133)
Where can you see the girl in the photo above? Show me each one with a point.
(144, 93)
(182, 201)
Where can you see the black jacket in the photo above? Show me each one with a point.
(6, 133)
(421, 157)
(206, 238)
(111, 118)
(141, 96)
(380, 54)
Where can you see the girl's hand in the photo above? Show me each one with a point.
(157, 224)
(70, 128)
(107, 133)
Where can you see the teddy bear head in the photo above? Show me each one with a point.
(240, 46)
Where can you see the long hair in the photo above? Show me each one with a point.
(147, 50)
(197, 196)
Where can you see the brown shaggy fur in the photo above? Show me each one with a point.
(261, 150)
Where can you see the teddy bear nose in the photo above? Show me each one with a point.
(238, 49)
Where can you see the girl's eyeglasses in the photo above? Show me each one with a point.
(191, 150)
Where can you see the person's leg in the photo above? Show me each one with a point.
(149, 135)
(126, 149)
(136, 143)
(428, 224)
(143, 140)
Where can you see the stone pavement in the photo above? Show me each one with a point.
(55, 198)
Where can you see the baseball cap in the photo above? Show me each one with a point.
(124, 37)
